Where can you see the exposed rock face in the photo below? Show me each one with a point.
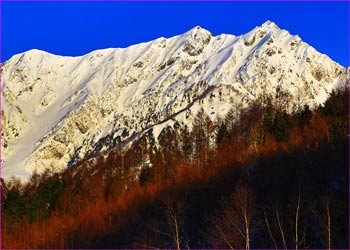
(59, 109)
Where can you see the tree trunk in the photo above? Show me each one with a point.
(281, 229)
(328, 226)
(269, 230)
(296, 224)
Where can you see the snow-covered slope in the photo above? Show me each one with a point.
(59, 109)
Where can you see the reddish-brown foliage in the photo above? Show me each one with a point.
(101, 199)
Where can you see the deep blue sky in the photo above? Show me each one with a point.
(75, 28)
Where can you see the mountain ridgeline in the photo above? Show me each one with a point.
(60, 111)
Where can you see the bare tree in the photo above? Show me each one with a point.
(245, 208)
(324, 218)
(174, 222)
(232, 225)
(328, 224)
(296, 223)
(281, 229)
(269, 230)
(170, 230)
(202, 132)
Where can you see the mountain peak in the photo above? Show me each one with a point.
(269, 24)
(35, 51)
(199, 31)
(33, 56)
(199, 35)
(198, 28)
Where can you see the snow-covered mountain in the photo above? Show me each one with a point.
(58, 109)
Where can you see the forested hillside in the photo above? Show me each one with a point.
(269, 180)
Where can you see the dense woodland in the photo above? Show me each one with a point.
(267, 180)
